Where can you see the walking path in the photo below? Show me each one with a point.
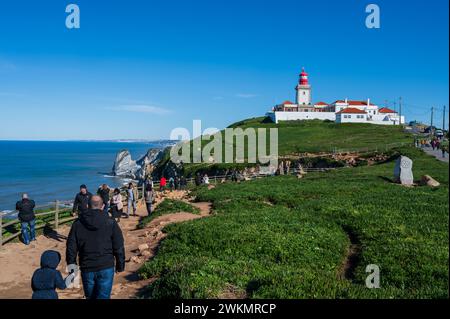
(18, 261)
(436, 153)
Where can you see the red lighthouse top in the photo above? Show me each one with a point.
(303, 77)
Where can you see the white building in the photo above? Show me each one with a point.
(303, 109)
(351, 115)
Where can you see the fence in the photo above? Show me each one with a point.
(56, 221)
(385, 147)
(60, 213)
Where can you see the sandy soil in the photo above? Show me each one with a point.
(18, 262)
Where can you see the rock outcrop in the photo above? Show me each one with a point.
(124, 166)
(148, 162)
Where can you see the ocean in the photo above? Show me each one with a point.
(50, 171)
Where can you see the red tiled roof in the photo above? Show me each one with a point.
(352, 102)
(386, 110)
(352, 110)
(287, 102)
(321, 103)
(357, 102)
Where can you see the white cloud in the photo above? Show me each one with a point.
(141, 108)
(246, 95)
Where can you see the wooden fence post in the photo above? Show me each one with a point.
(56, 214)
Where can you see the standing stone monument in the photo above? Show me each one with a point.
(403, 171)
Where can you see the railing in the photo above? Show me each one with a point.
(55, 222)
(59, 220)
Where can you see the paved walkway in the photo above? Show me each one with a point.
(436, 153)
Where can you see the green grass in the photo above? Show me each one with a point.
(281, 237)
(323, 136)
(311, 136)
(168, 206)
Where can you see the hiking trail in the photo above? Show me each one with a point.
(18, 262)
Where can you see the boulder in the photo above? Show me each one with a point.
(403, 171)
(427, 180)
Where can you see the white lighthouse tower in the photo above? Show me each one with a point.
(303, 90)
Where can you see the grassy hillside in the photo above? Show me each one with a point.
(280, 237)
(324, 136)
(296, 137)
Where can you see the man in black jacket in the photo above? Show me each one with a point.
(27, 218)
(98, 241)
(81, 202)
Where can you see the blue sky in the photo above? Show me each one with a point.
(138, 69)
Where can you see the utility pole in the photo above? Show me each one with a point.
(443, 120)
(400, 110)
(432, 114)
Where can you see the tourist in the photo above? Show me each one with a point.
(81, 202)
(27, 219)
(183, 182)
(234, 176)
(177, 183)
(433, 144)
(198, 179)
(98, 242)
(171, 183)
(104, 192)
(116, 205)
(149, 183)
(205, 179)
(132, 197)
(148, 199)
(162, 184)
(46, 279)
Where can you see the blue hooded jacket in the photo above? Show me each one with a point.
(46, 279)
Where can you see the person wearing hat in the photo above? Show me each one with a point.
(81, 202)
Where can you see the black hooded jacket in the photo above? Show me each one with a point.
(81, 202)
(97, 240)
(46, 279)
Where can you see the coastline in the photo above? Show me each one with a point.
(53, 170)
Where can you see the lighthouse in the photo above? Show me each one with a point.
(303, 90)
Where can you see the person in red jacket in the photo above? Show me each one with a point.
(162, 184)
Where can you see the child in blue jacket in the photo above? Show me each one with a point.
(46, 279)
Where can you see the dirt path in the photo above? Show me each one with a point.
(352, 256)
(18, 262)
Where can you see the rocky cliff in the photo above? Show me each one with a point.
(124, 166)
